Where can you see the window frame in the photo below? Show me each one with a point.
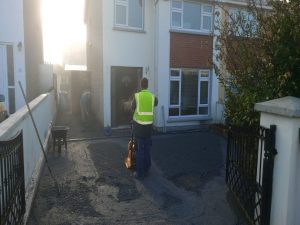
(247, 16)
(200, 78)
(181, 11)
(11, 77)
(175, 78)
(206, 14)
(177, 10)
(8, 78)
(126, 26)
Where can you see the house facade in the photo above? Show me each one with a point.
(171, 42)
(21, 50)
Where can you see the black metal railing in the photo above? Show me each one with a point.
(249, 170)
(12, 186)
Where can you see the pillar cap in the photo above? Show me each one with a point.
(287, 106)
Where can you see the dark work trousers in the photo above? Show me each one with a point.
(143, 156)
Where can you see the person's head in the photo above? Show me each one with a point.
(144, 83)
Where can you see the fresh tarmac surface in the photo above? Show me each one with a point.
(185, 185)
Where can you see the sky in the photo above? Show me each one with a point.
(63, 26)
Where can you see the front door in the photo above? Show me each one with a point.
(124, 83)
(3, 75)
(7, 78)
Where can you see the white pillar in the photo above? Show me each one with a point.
(285, 114)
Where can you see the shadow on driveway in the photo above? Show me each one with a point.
(185, 185)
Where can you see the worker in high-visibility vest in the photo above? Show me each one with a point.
(143, 106)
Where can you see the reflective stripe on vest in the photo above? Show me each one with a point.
(144, 107)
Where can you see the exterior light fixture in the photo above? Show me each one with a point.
(20, 45)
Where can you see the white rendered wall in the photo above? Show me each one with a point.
(12, 33)
(286, 179)
(125, 48)
(163, 17)
(216, 108)
(297, 198)
(43, 110)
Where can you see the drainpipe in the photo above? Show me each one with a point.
(155, 51)
(163, 119)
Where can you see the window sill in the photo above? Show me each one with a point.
(127, 29)
(187, 118)
(174, 30)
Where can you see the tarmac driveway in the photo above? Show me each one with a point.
(185, 185)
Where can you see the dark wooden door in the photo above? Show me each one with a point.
(124, 83)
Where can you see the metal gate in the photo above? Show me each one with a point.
(249, 170)
(12, 187)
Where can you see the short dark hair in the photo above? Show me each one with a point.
(144, 83)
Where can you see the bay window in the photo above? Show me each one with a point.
(189, 92)
(194, 16)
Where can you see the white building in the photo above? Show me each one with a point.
(21, 50)
(171, 42)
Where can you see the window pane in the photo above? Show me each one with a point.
(11, 97)
(207, 22)
(10, 65)
(121, 14)
(203, 92)
(204, 73)
(189, 92)
(191, 16)
(203, 110)
(207, 9)
(175, 73)
(243, 22)
(135, 17)
(177, 4)
(174, 93)
(176, 19)
(173, 112)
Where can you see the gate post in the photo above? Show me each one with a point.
(267, 181)
(285, 199)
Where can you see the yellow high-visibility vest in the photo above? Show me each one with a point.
(143, 113)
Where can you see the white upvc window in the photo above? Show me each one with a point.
(189, 93)
(175, 92)
(243, 22)
(191, 16)
(204, 90)
(7, 76)
(129, 14)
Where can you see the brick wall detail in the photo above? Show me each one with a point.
(191, 51)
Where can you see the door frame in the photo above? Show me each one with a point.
(3, 75)
(113, 75)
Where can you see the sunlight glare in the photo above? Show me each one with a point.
(62, 26)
